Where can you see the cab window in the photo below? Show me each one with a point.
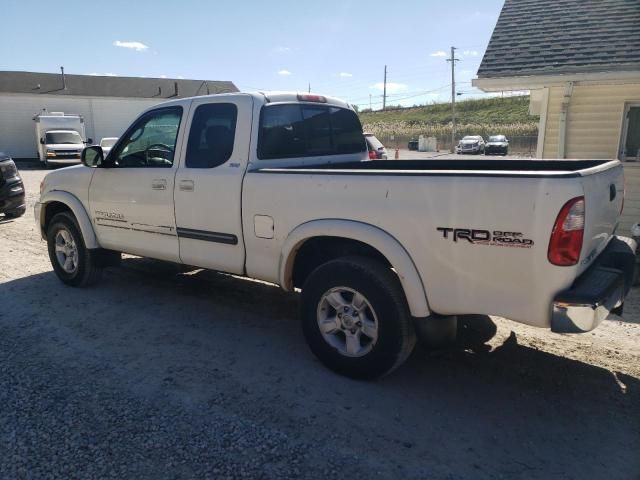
(212, 134)
(151, 142)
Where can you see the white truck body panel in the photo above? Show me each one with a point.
(400, 212)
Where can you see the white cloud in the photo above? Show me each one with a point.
(163, 76)
(108, 74)
(471, 53)
(345, 75)
(439, 53)
(391, 87)
(282, 49)
(137, 46)
(284, 72)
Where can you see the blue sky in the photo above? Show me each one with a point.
(340, 47)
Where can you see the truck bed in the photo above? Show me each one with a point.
(455, 167)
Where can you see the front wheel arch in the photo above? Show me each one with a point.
(60, 201)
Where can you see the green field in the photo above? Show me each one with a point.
(488, 116)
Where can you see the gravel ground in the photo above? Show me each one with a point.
(159, 372)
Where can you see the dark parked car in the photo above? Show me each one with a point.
(413, 145)
(11, 189)
(497, 145)
(376, 148)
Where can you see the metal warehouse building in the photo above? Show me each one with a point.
(108, 104)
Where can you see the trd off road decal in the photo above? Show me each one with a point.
(486, 237)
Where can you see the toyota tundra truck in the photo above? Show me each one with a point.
(278, 187)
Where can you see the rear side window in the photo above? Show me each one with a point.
(302, 130)
(212, 134)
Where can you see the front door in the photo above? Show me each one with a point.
(631, 134)
(208, 189)
(131, 195)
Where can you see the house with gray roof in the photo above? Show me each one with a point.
(580, 59)
(108, 104)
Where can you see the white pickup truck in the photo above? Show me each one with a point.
(278, 187)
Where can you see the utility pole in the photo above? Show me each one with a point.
(309, 87)
(384, 93)
(453, 61)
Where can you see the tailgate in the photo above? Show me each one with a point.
(604, 194)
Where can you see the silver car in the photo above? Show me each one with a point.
(471, 144)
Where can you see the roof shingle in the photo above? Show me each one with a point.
(547, 37)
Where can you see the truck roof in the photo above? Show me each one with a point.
(272, 97)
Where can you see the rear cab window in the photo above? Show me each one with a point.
(308, 130)
(212, 135)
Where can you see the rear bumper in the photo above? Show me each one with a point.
(598, 291)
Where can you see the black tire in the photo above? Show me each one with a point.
(381, 287)
(87, 271)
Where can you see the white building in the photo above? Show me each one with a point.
(108, 104)
(581, 62)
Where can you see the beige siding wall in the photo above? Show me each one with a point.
(594, 126)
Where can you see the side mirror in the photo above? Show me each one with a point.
(92, 156)
(42, 141)
(89, 140)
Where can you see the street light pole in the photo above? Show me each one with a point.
(453, 61)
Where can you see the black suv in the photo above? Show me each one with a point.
(11, 189)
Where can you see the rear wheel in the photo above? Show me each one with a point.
(72, 261)
(355, 317)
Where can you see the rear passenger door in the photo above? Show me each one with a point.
(208, 185)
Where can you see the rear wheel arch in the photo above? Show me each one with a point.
(341, 238)
(57, 202)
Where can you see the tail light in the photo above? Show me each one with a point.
(303, 97)
(565, 244)
(372, 155)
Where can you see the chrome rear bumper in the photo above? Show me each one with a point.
(598, 291)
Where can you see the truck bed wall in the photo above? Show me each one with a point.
(459, 277)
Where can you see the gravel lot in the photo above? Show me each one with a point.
(158, 372)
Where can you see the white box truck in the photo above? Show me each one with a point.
(60, 138)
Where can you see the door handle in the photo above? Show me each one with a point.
(187, 185)
(159, 184)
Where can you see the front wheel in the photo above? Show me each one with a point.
(72, 261)
(355, 317)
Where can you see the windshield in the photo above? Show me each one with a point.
(497, 138)
(63, 137)
(108, 142)
(471, 139)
